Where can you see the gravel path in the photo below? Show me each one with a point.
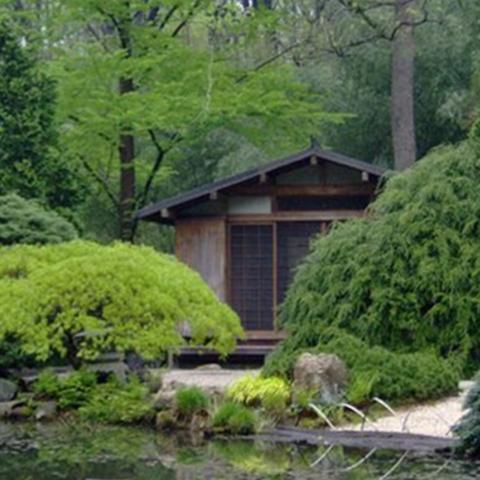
(209, 378)
(434, 419)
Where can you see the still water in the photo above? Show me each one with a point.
(79, 452)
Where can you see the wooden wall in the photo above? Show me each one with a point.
(201, 244)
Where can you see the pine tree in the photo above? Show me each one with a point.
(30, 164)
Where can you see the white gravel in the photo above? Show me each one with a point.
(436, 419)
(208, 378)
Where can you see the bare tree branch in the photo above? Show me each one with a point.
(185, 21)
(167, 17)
(101, 181)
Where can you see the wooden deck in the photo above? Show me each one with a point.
(254, 348)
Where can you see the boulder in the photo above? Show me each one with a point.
(165, 420)
(324, 373)
(7, 408)
(8, 390)
(163, 399)
(46, 411)
(118, 369)
(209, 367)
(154, 379)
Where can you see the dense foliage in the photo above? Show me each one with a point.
(468, 428)
(77, 299)
(407, 277)
(375, 371)
(71, 392)
(26, 221)
(209, 91)
(114, 402)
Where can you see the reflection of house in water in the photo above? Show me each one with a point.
(245, 234)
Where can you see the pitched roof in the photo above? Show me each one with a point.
(206, 190)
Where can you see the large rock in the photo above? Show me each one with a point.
(46, 411)
(324, 373)
(13, 409)
(118, 369)
(8, 390)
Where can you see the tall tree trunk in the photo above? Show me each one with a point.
(126, 151)
(402, 87)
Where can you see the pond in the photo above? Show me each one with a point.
(79, 452)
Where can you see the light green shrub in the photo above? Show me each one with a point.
(190, 400)
(232, 417)
(273, 394)
(127, 298)
(113, 402)
(406, 277)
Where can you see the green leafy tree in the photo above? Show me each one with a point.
(405, 277)
(78, 299)
(138, 81)
(30, 163)
(26, 221)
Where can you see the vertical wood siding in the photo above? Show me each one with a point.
(201, 244)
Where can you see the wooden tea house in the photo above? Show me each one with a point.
(246, 234)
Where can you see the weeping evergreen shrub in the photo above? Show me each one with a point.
(468, 428)
(77, 299)
(406, 277)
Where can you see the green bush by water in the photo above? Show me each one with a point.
(71, 392)
(114, 402)
(272, 394)
(190, 400)
(407, 277)
(232, 417)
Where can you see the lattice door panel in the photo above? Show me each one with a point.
(251, 275)
(293, 244)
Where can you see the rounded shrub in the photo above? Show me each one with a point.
(272, 394)
(190, 400)
(231, 417)
(77, 299)
(27, 222)
(407, 276)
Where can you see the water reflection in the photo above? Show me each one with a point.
(81, 452)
